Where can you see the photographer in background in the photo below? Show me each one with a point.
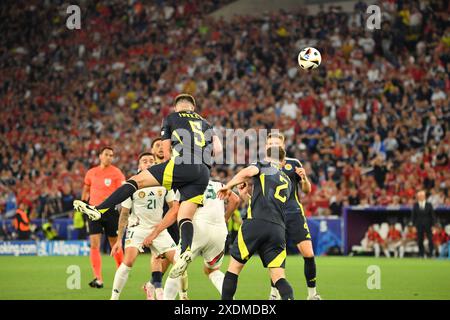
(21, 223)
(50, 232)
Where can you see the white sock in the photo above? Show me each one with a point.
(402, 251)
(184, 283)
(171, 288)
(216, 278)
(312, 292)
(376, 248)
(120, 279)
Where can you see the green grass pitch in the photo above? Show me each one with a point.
(337, 278)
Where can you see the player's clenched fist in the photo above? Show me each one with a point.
(301, 172)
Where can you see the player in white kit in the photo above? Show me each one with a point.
(210, 233)
(146, 206)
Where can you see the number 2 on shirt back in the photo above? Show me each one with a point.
(280, 188)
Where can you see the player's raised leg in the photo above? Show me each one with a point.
(142, 180)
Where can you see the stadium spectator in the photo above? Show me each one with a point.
(410, 237)
(444, 251)
(373, 241)
(394, 241)
(440, 239)
(423, 218)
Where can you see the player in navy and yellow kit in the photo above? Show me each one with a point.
(296, 225)
(189, 143)
(263, 231)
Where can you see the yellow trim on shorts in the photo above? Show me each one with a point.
(197, 199)
(242, 246)
(305, 226)
(278, 261)
(262, 179)
(168, 175)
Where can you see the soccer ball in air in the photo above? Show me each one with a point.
(309, 58)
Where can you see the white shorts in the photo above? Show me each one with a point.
(209, 242)
(162, 244)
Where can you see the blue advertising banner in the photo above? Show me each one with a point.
(326, 232)
(18, 248)
(44, 248)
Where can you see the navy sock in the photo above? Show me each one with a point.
(157, 279)
(186, 234)
(121, 194)
(310, 272)
(229, 286)
(285, 289)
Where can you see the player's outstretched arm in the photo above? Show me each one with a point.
(232, 204)
(239, 178)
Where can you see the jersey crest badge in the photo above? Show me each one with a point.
(288, 166)
(108, 182)
(141, 194)
(160, 193)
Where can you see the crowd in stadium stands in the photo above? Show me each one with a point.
(371, 124)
